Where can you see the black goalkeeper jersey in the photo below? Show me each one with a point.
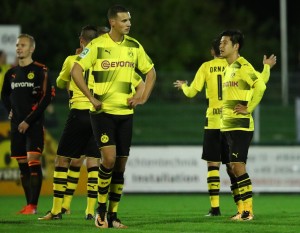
(27, 92)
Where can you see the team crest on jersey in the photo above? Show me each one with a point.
(130, 52)
(84, 53)
(30, 75)
(104, 138)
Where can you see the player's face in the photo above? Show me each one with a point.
(121, 23)
(226, 47)
(24, 48)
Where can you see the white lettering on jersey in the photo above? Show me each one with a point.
(22, 84)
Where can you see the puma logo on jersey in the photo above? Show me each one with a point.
(108, 51)
(235, 154)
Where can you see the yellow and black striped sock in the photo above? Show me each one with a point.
(59, 188)
(245, 189)
(115, 191)
(72, 182)
(236, 195)
(213, 183)
(92, 190)
(104, 179)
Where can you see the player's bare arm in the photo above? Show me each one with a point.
(76, 73)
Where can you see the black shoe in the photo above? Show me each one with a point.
(65, 211)
(214, 211)
(114, 222)
(89, 217)
(247, 216)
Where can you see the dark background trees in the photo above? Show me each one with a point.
(175, 33)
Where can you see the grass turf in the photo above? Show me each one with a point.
(160, 213)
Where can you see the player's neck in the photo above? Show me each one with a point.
(232, 58)
(116, 37)
(25, 61)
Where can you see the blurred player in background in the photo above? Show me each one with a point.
(215, 148)
(26, 94)
(4, 67)
(77, 141)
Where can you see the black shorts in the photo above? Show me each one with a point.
(77, 138)
(32, 141)
(239, 143)
(215, 147)
(113, 130)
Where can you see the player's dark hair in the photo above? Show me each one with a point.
(102, 30)
(215, 45)
(89, 33)
(114, 10)
(236, 36)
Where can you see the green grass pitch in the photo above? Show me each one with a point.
(160, 213)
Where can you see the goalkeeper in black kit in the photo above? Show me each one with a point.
(26, 94)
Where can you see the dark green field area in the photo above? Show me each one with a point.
(160, 213)
(182, 122)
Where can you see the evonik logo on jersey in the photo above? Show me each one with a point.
(231, 84)
(21, 84)
(115, 64)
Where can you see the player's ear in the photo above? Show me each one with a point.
(112, 22)
(32, 49)
(237, 46)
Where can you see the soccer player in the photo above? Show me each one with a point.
(26, 94)
(77, 141)
(215, 148)
(242, 91)
(114, 57)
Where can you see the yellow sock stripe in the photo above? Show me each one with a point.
(92, 189)
(104, 180)
(92, 186)
(213, 183)
(73, 178)
(116, 191)
(59, 187)
(245, 189)
(67, 201)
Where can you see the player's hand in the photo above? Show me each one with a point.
(23, 126)
(10, 115)
(178, 84)
(240, 109)
(133, 102)
(271, 61)
(96, 103)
